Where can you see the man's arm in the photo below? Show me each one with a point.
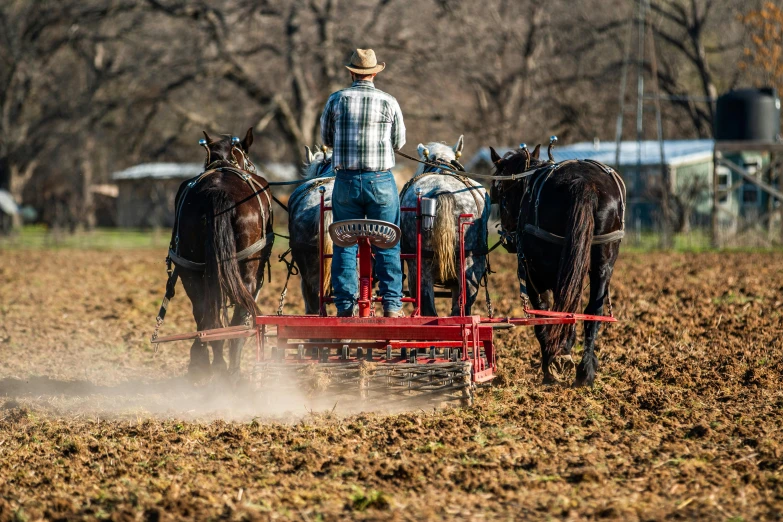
(327, 125)
(398, 128)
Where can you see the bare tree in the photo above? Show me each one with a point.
(51, 83)
(686, 27)
(300, 63)
(91, 86)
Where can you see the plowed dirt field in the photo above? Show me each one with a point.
(685, 420)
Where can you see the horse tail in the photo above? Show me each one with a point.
(328, 249)
(221, 275)
(574, 259)
(444, 237)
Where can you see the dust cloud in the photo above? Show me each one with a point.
(216, 398)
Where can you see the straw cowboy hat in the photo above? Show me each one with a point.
(363, 61)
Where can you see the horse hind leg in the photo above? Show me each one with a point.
(474, 272)
(542, 335)
(310, 279)
(198, 365)
(218, 361)
(235, 346)
(427, 289)
(599, 288)
(252, 278)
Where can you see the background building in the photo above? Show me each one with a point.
(689, 164)
(146, 192)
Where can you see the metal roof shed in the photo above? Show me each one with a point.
(689, 163)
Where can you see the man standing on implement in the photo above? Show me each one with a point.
(364, 127)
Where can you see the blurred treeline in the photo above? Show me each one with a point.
(88, 87)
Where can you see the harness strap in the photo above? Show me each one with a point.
(252, 249)
(538, 186)
(181, 262)
(548, 170)
(198, 267)
(255, 186)
(170, 286)
(316, 182)
(472, 188)
(282, 205)
(618, 180)
(292, 270)
(602, 239)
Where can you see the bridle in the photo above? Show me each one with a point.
(452, 166)
(508, 235)
(235, 152)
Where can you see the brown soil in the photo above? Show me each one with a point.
(685, 421)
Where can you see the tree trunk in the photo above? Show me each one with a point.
(87, 214)
(19, 178)
(684, 225)
(5, 173)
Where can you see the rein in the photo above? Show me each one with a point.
(450, 168)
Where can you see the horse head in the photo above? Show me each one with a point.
(508, 193)
(228, 151)
(437, 153)
(317, 165)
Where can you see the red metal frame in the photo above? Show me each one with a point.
(363, 301)
(424, 340)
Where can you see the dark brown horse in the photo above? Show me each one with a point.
(221, 242)
(564, 221)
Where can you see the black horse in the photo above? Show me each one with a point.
(564, 221)
(220, 244)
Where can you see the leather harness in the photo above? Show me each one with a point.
(242, 255)
(428, 254)
(540, 180)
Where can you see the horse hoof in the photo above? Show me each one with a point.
(560, 366)
(198, 374)
(233, 378)
(582, 383)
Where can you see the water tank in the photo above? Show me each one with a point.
(748, 114)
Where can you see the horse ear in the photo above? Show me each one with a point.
(460, 143)
(536, 151)
(309, 157)
(209, 140)
(248, 141)
(420, 148)
(493, 154)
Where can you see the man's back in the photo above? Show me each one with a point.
(364, 126)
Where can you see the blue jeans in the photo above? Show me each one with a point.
(372, 195)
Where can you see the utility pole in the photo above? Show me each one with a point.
(641, 10)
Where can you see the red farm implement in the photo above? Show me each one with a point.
(382, 359)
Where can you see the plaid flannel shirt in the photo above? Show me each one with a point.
(364, 127)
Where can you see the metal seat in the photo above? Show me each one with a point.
(347, 233)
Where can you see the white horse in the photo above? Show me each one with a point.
(303, 224)
(455, 195)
